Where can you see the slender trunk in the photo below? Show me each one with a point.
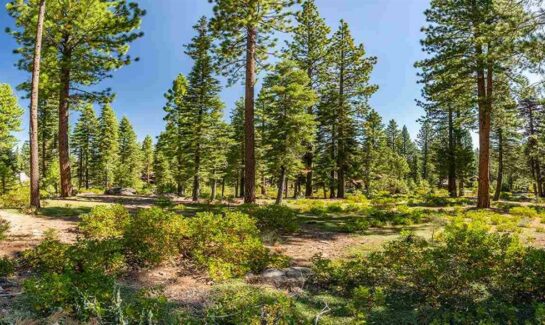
(80, 169)
(213, 190)
(281, 183)
(34, 154)
(263, 184)
(222, 188)
(324, 189)
(196, 180)
(249, 170)
(461, 186)
(452, 155)
(341, 159)
(500, 166)
(295, 187)
(286, 187)
(484, 92)
(64, 150)
(242, 182)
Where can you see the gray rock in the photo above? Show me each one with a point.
(291, 277)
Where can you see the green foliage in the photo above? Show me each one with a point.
(85, 146)
(4, 227)
(104, 221)
(128, 169)
(154, 235)
(108, 146)
(228, 245)
(470, 275)
(524, 211)
(276, 218)
(237, 303)
(17, 198)
(164, 202)
(7, 266)
(50, 255)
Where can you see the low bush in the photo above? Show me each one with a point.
(358, 198)
(238, 303)
(276, 218)
(4, 227)
(229, 245)
(154, 235)
(524, 211)
(164, 202)
(17, 198)
(104, 221)
(470, 276)
(50, 256)
(7, 266)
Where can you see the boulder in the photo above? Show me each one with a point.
(291, 277)
(120, 191)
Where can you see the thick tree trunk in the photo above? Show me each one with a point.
(34, 154)
(452, 155)
(249, 170)
(64, 150)
(484, 90)
(500, 166)
(281, 184)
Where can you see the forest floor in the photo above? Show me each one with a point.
(185, 283)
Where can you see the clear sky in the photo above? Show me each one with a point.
(389, 29)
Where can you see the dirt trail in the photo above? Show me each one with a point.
(28, 230)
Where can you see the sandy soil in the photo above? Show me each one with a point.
(26, 230)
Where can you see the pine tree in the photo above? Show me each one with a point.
(127, 173)
(164, 178)
(10, 121)
(393, 137)
(202, 107)
(309, 49)
(245, 30)
(236, 156)
(177, 125)
(84, 146)
(424, 142)
(147, 159)
(289, 125)
(374, 144)
(469, 43)
(345, 98)
(84, 41)
(108, 146)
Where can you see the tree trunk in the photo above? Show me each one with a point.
(461, 186)
(213, 190)
(64, 150)
(286, 187)
(34, 154)
(263, 184)
(222, 188)
(249, 170)
(484, 90)
(452, 155)
(500, 166)
(281, 184)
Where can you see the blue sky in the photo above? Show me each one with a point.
(389, 29)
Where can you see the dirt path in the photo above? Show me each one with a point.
(27, 230)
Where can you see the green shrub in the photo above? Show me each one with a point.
(7, 266)
(164, 202)
(276, 218)
(84, 294)
(4, 227)
(228, 245)
(104, 221)
(154, 235)
(471, 275)
(238, 303)
(50, 256)
(524, 212)
(18, 198)
(358, 198)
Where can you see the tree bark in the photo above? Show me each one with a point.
(281, 184)
(249, 128)
(499, 180)
(213, 190)
(34, 153)
(484, 93)
(64, 150)
(452, 155)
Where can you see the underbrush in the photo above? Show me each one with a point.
(470, 276)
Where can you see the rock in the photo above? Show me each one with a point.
(292, 277)
(120, 191)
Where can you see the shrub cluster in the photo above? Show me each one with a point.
(470, 276)
(104, 221)
(276, 218)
